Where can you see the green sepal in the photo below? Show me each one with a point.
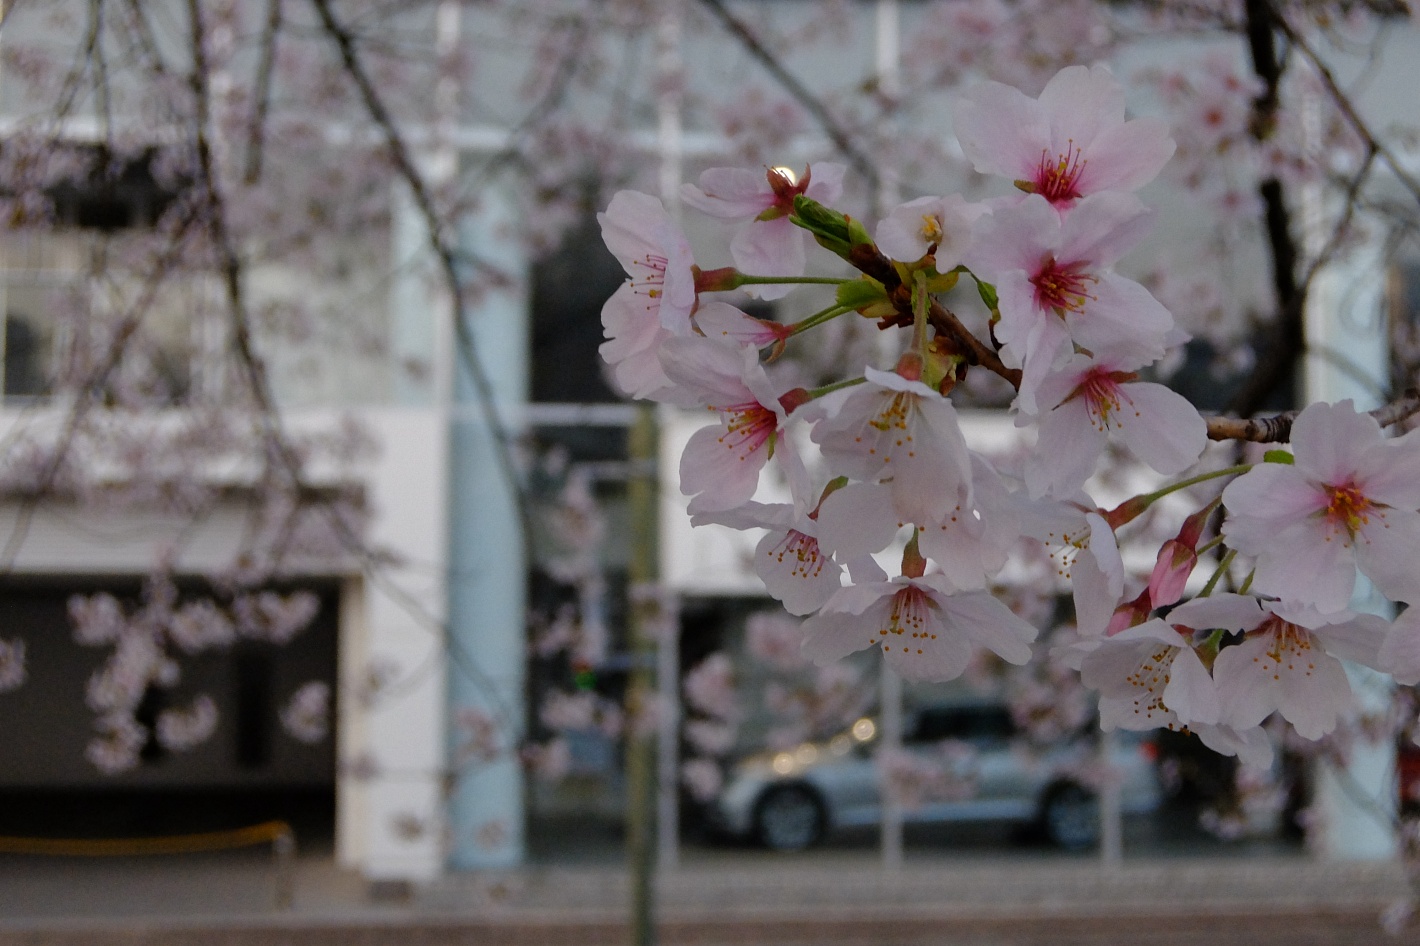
(860, 293)
(835, 232)
(942, 282)
(1278, 456)
(987, 292)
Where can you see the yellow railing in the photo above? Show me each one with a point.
(276, 833)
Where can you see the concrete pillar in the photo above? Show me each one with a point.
(487, 551)
(1348, 358)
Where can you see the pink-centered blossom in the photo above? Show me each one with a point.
(721, 464)
(926, 631)
(1092, 400)
(1071, 142)
(769, 244)
(901, 432)
(656, 303)
(1056, 290)
(1347, 502)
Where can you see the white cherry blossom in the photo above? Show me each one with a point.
(926, 631)
(1288, 663)
(901, 432)
(1091, 400)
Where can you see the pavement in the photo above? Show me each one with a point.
(836, 896)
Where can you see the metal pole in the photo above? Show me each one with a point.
(668, 743)
(283, 852)
(887, 34)
(891, 741)
(641, 689)
(1111, 809)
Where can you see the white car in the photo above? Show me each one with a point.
(790, 800)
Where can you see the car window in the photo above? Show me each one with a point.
(969, 723)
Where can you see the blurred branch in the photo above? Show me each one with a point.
(443, 248)
(839, 135)
(262, 93)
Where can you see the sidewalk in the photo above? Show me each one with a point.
(745, 898)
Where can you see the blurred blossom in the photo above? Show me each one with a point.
(183, 729)
(710, 687)
(702, 778)
(568, 711)
(711, 738)
(274, 617)
(477, 736)
(775, 638)
(12, 664)
(549, 761)
(912, 778)
(97, 619)
(115, 749)
(306, 716)
(200, 625)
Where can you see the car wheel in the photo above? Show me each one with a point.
(789, 818)
(1071, 817)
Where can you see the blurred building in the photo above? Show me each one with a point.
(433, 634)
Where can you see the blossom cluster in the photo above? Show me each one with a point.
(147, 643)
(1076, 339)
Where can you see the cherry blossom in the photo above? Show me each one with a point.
(1055, 286)
(1347, 502)
(13, 672)
(1150, 675)
(788, 559)
(969, 543)
(306, 715)
(901, 432)
(181, 729)
(769, 244)
(1071, 142)
(721, 465)
(656, 303)
(1093, 399)
(937, 225)
(926, 631)
(1085, 553)
(1288, 663)
(723, 322)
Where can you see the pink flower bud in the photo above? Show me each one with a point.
(1176, 562)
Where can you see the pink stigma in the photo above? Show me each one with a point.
(1055, 179)
(747, 428)
(1063, 288)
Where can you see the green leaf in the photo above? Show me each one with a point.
(1278, 456)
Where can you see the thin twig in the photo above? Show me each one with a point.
(839, 135)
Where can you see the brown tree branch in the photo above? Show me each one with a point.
(1278, 428)
(1286, 338)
